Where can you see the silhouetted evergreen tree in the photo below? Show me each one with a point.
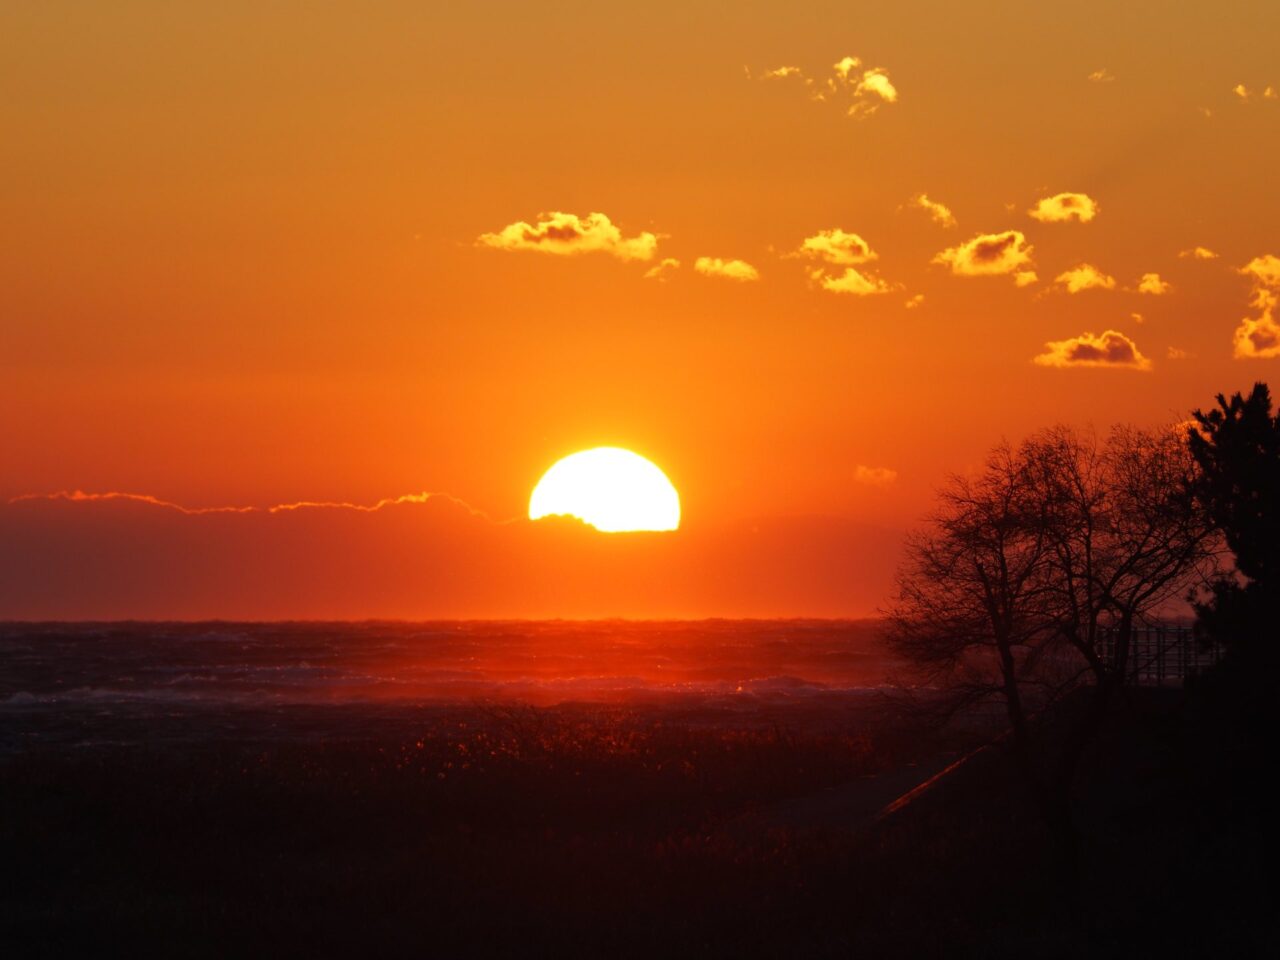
(1238, 450)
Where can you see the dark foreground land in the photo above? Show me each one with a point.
(677, 826)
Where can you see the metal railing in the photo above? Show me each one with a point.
(1160, 655)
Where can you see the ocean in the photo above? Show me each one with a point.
(86, 684)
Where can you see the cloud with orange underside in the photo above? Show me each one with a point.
(1065, 208)
(991, 255)
(1259, 337)
(1085, 277)
(738, 270)
(1110, 349)
(567, 234)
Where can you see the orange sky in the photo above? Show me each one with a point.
(240, 256)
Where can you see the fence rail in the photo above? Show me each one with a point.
(1160, 655)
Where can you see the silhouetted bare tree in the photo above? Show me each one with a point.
(1128, 537)
(975, 606)
(1026, 568)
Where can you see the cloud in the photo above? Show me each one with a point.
(730, 269)
(846, 66)
(842, 249)
(1024, 278)
(938, 212)
(852, 281)
(112, 556)
(876, 82)
(1177, 353)
(663, 270)
(1244, 93)
(1137, 318)
(567, 234)
(1264, 270)
(112, 496)
(1110, 349)
(1085, 277)
(1102, 75)
(1197, 253)
(1259, 337)
(861, 91)
(836, 246)
(1153, 285)
(915, 301)
(1065, 207)
(990, 255)
(874, 476)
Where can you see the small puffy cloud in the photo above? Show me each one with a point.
(1102, 75)
(1137, 318)
(874, 476)
(1085, 277)
(1177, 353)
(846, 66)
(861, 91)
(1197, 253)
(1269, 93)
(842, 249)
(1241, 91)
(876, 82)
(1065, 207)
(852, 280)
(915, 301)
(1109, 349)
(1259, 337)
(1153, 285)
(938, 212)
(1024, 278)
(989, 255)
(729, 269)
(663, 270)
(836, 246)
(567, 234)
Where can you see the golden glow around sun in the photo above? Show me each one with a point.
(612, 489)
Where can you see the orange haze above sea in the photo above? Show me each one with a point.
(262, 255)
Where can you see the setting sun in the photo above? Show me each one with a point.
(612, 489)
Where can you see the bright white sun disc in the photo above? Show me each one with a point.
(612, 489)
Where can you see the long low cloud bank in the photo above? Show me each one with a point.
(419, 557)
